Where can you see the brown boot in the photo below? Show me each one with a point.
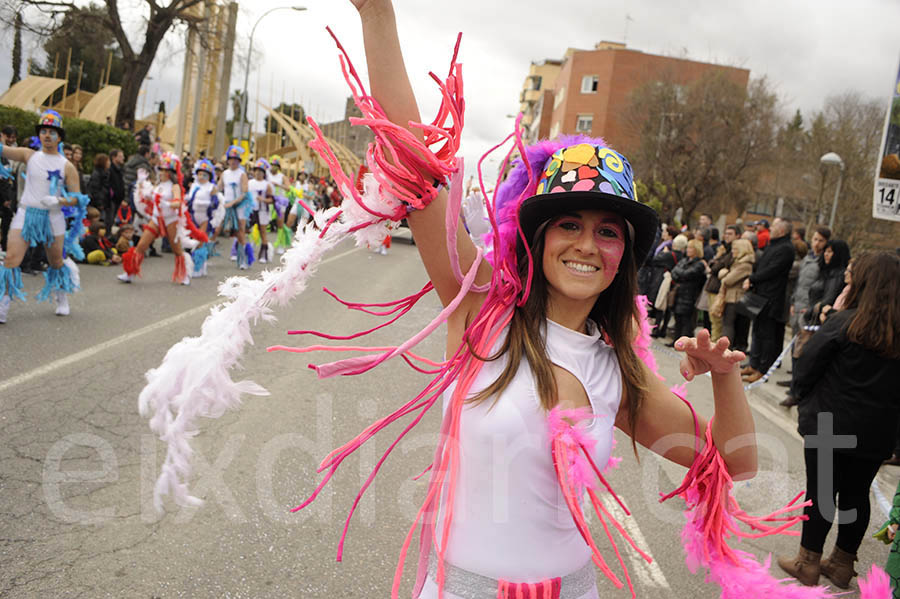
(752, 377)
(747, 370)
(838, 567)
(804, 567)
(789, 401)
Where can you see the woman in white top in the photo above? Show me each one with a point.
(39, 218)
(261, 191)
(568, 344)
(275, 177)
(168, 209)
(204, 209)
(238, 205)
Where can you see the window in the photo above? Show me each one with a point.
(536, 82)
(589, 84)
(584, 123)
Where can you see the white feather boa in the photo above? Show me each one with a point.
(194, 379)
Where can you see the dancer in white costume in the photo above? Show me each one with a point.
(233, 185)
(205, 210)
(263, 198)
(168, 210)
(282, 204)
(39, 219)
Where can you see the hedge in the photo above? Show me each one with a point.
(92, 137)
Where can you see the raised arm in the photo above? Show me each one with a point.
(390, 86)
(17, 154)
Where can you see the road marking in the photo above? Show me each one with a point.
(650, 575)
(85, 354)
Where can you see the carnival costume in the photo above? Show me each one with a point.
(241, 210)
(281, 206)
(41, 219)
(204, 207)
(548, 176)
(164, 211)
(262, 211)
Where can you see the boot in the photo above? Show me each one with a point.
(789, 402)
(804, 566)
(62, 303)
(838, 567)
(747, 370)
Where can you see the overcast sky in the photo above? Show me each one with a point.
(807, 50)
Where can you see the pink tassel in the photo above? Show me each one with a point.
(875, 585)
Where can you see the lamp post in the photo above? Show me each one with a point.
(243, 117)
(832, 159)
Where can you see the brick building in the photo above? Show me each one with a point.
(592, 89)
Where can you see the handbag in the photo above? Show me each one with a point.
(702, 302)
(751, 304)
(661, 301)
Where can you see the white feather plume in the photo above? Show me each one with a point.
(194, 379)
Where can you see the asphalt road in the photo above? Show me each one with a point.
(78, 463)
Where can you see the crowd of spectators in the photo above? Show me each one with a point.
(757, 277)
(109, 183)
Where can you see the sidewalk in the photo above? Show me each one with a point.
(767, 397)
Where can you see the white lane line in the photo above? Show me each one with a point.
(650, 575)
(92, 351)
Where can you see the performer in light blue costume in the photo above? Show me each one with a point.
(203, 209)
(40, 218)
(238, 205)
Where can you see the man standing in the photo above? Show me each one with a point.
(806, 276)
(770, 281)
(117, 185)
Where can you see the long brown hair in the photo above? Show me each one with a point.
(875, 294)
(615, 312)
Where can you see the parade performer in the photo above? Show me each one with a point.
(168, 209)
(263, 198)
(547, 347)
(299, 191)
(51, 183)
(238, 206)
(281, 204)
(204, 210)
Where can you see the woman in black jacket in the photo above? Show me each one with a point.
(690, 275)
(828, 286)
(98, 185)
(847, 380)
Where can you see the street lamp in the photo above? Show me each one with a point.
(247, 69)
(832, 159)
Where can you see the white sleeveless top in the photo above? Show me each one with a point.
(201, 199)
(231, 183)
(258, 190)
(38, 172)
(510, 520)
(275, 178)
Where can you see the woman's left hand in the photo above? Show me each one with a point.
(701, 356)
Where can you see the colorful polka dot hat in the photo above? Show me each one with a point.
(583, 176)
(262, 165)
(53, 120)
(206, 166)
(275, 160)
(169, 162)
(234, 152)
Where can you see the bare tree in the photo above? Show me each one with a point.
(159, 18)
(703, 145)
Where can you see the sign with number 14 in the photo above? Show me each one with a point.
(886, 203)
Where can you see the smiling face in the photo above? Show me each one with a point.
(259, 173)
(582, 252)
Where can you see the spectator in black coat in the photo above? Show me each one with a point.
(847, 379)
(98, 184)
(116, 185)
(828, 286)
(770, 281)
(690, 275)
